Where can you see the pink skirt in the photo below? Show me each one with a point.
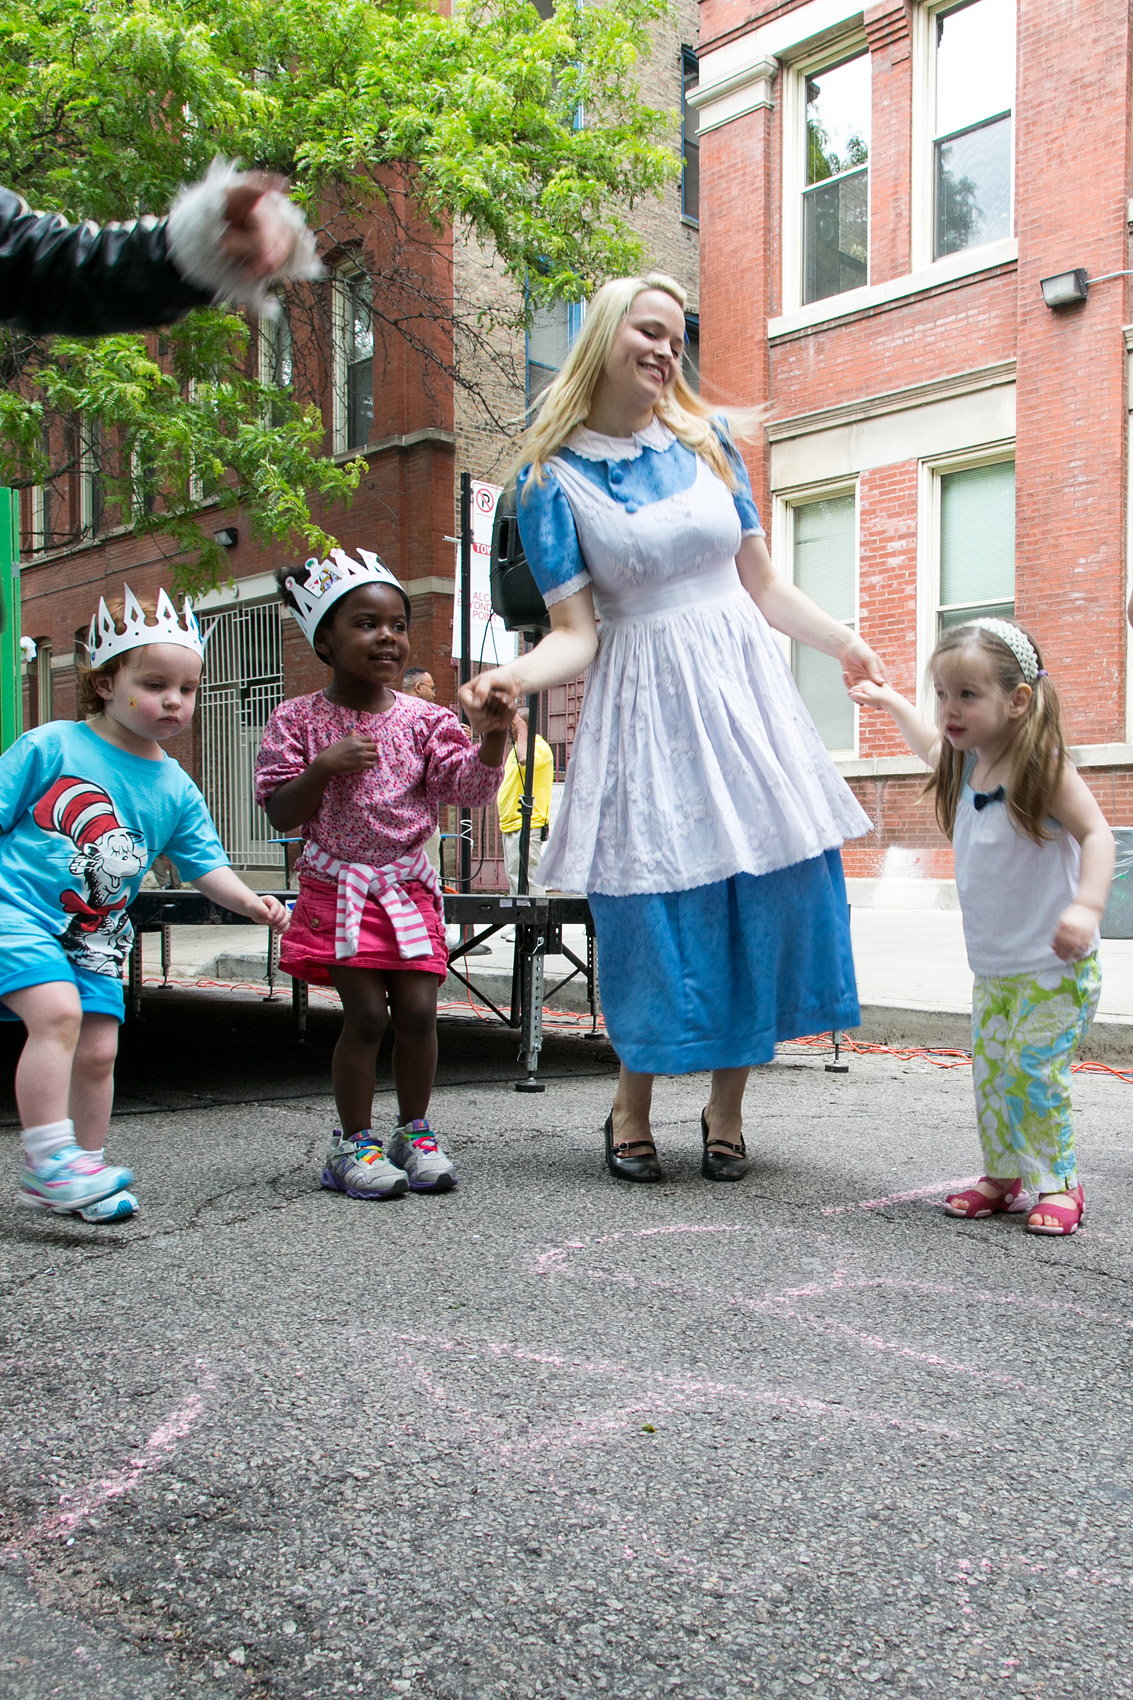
(307, 948)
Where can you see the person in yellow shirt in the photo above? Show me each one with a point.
(507, 802)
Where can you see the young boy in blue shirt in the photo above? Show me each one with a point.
(85, 807)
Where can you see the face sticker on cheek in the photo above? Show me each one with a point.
(133, 701)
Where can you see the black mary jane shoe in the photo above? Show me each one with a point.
(627, 1168)
(730, 1164)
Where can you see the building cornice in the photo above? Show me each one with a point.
(892, 401)
(747, 89)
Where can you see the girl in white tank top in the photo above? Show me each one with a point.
(1034, 861)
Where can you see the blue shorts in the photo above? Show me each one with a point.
(31, 956)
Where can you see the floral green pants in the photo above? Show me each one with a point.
(1025, 1030)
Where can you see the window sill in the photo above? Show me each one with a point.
(954, 268)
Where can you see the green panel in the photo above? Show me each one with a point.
(11, 658)
(977, 535)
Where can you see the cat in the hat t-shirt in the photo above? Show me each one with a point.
(80, 823)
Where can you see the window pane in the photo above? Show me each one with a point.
(360, 319)
(961, 616)
(690, 179)
(824, 569)
(835, 235)
(819, 678)
(691, 366)
(973, 187)
(977, 536)
(837, 119)
(975, 64)
(359, 361)
(548, 341)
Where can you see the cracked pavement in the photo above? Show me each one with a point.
(551, 1434)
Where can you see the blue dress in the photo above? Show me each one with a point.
(702, 815)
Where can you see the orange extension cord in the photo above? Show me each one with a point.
(575, 1021)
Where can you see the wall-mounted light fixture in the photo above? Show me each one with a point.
(228, 536)
(1066, 289)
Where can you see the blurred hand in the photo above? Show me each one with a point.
(1074, 935)
(858, 661)
(271, 912)
(258, 238)
(350, 755)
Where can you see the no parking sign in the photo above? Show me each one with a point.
(491, 643)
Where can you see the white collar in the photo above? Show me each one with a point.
(592, 445)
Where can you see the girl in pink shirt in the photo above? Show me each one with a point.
(361, 772)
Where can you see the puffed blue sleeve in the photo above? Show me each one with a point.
(750, 522)
(550, 540)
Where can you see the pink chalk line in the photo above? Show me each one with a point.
(153, 1455)
(901, 1197)
(685, 1391)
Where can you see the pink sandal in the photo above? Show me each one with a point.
(975, 1204)
(1067, 1215)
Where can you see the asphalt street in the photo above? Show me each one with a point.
(551, 1434)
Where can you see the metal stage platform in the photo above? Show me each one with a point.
(538, 923)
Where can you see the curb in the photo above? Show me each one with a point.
(1109, 1041)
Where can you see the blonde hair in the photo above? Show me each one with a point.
(1037, 750)
(90, 702)
(567, 400)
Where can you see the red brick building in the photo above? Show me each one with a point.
(881, 193)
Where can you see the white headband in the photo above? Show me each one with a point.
(1017, 642)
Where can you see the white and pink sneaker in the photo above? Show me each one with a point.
(70, 1180)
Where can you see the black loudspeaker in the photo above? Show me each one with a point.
(515, 595)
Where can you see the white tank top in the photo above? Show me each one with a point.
(1011, 889)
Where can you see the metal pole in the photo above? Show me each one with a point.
(527, 801)
(465, 653)
(11, 655)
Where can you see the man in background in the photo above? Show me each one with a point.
(418, 682)
(507, 802)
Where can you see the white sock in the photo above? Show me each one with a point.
(42, 1142)
(98, 1155)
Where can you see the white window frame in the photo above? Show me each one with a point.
(340, 310)
(268, 328)
(784, 505)
(928, 547)
(922, 196)
(88, 473)
(793, 94)
(40, 504)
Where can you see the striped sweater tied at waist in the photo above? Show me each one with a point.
(356, 881)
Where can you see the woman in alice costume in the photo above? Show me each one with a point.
(702, 816)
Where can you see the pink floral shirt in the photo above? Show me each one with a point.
(425, 759)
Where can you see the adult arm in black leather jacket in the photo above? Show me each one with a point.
(226, 238)
(85, 281)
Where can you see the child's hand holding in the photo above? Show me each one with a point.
(350, 755)
(270, 912)
(1074, 935)
(489, 701)
(867, 694)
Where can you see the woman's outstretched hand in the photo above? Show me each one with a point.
(858, 661)
(489, 701)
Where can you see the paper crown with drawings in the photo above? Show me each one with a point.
(105, 641)
(327, 581)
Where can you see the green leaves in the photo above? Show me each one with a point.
(108, 107)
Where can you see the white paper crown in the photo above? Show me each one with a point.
(104, 641)
(326, 581)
